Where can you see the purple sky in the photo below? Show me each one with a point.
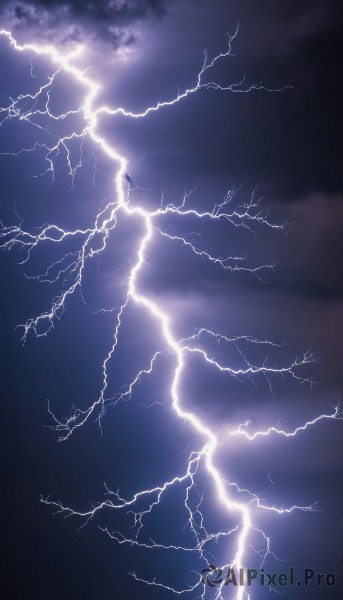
(287, 146)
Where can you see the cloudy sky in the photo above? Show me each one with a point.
(286, 146)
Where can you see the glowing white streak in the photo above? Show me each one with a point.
(223, 262)
(240, 87)
(242, 429)
(243, 216)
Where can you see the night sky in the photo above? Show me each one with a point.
(284, 145)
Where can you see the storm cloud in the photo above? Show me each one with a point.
(111, 21)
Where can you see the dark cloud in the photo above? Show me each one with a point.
(100, 10)
(111, 21)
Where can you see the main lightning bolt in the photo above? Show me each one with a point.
(70, 271)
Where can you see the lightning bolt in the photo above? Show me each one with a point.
(69, 271)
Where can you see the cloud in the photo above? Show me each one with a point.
(114, 22)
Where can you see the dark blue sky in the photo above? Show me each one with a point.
(288, 146)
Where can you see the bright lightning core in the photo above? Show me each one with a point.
(238, 505)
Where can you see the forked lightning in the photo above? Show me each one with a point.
(70, 269)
